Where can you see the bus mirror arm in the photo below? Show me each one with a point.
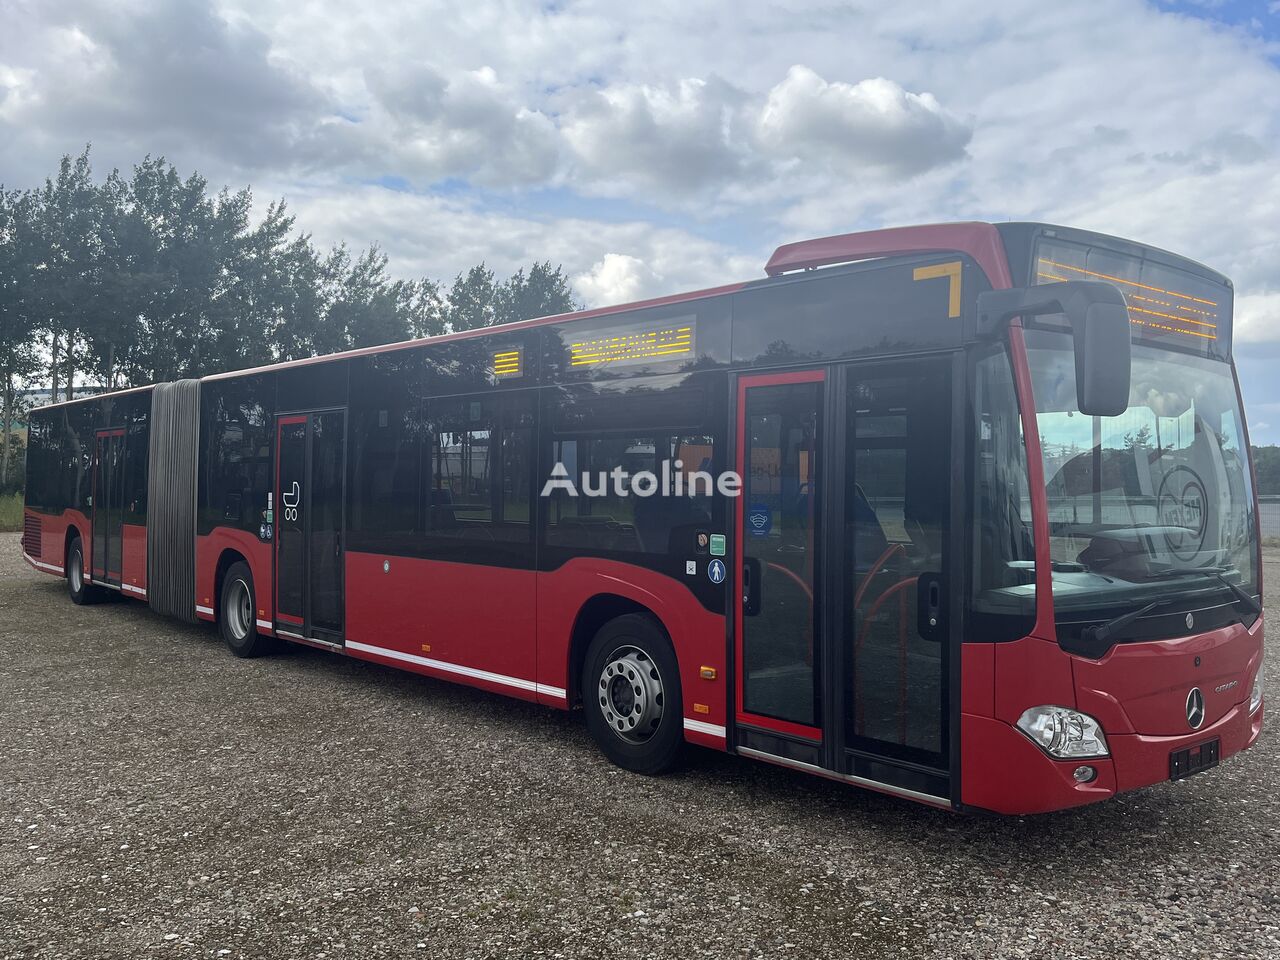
(1099, 321)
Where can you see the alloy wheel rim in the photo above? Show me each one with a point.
(239, 609)
(629, 693)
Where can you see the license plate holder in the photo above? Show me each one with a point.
(1202, 756)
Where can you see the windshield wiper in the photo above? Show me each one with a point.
(1219, 574)
(1099, 637)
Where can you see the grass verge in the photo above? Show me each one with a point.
(10, 512)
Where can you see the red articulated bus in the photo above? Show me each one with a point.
(961, 513)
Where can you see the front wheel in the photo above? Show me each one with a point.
(631, 695)
(236, 614)
(79, 588)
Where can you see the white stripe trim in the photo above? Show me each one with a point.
(52, 568)
(265, 624)
(928, 798)
(205, 610)
(699, 726)
(461, 671)
(132, 589)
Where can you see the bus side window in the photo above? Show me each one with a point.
(479, 475)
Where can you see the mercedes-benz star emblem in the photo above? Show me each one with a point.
(1195, 708)
(1191, 622)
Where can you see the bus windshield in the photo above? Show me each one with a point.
(1155, 504)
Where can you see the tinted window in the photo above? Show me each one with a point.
(630, 513)
(136, 416)
(313, 386)
(235, 470)
(481, 363)
(633, 426)
(480, 471)
(42, 461)
(389, 443)
(80, 420)
(878, 310)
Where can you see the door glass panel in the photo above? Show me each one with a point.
(108, 506)
(115, 505)
(779, 672)
(896, 509)
(326, 520)
(291, 515)
(100, 474)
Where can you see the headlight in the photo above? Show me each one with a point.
(1255, 695)
(1064, 733)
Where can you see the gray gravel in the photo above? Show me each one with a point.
(159, 796)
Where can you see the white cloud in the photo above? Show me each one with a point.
(437, 237)
(471, 126)
(678, 138)
(1257, 318)
(614, 278)
(873, 126)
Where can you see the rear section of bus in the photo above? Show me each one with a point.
(1126, 574)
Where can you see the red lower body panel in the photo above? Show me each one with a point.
(1005, 772)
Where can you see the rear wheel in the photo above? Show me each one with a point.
(78, 587)
(631, 695)
(237, 614)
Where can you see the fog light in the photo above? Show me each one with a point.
(1085, 774)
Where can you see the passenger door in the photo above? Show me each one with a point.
(843, 540)
(108, 506)
(310, 473)
(894, 626)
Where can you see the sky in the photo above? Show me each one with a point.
(663, 146)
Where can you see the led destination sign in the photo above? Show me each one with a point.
(1164, 303)
(508, 363)
(632, 344)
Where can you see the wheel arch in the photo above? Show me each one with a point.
(73, 532)
(592, 615)
(226, 559)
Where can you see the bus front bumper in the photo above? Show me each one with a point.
(1004, 772)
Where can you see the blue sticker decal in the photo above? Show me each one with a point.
(715, 570)
(759, 519)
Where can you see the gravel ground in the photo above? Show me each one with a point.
(158, 796)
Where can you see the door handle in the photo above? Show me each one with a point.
(931, 623)
(751, 584)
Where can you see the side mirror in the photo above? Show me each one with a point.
(1099, 322)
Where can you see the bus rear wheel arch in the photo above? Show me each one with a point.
(631, 694)
(237, 613)
(79, 588)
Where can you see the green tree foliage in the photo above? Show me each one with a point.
(152, 276)
(1266, 464)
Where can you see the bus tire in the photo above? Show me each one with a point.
(79, 588)
(631, 695)
(237, 614)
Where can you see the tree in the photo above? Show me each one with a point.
(471, 302)
(150, 276)
(542, 292)
(19, 360)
